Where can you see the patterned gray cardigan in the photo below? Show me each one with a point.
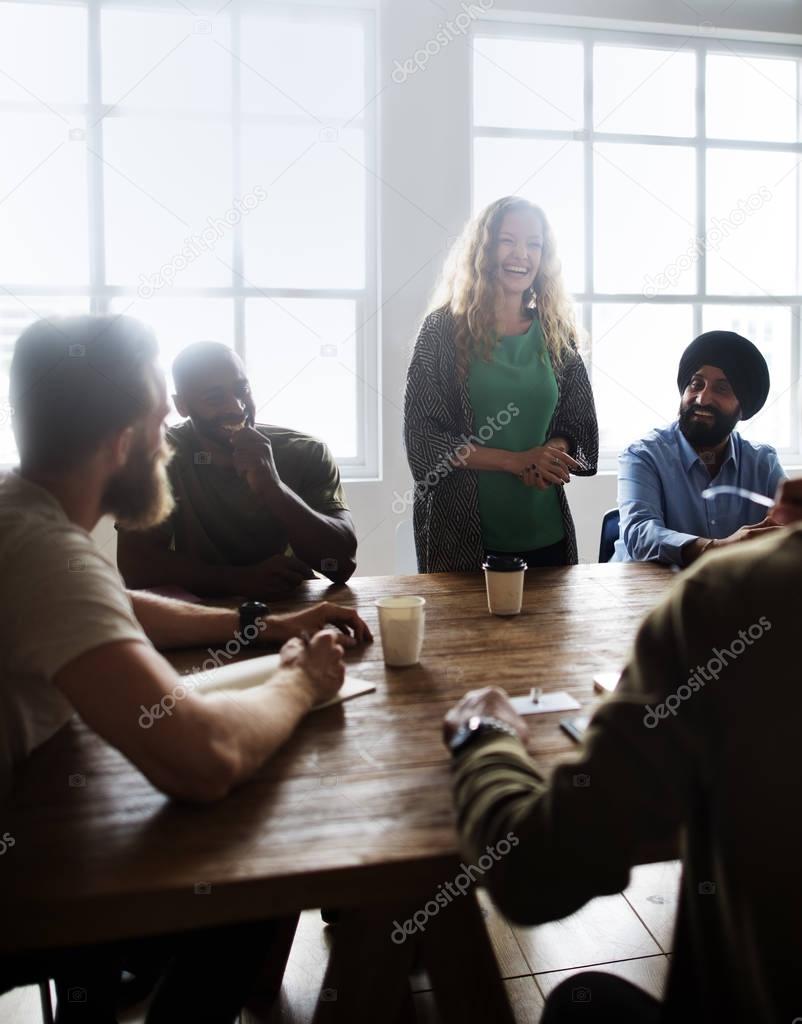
(439, 424)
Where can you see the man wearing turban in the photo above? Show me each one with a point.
(723, 379)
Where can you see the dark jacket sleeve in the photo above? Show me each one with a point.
(575, 415)
(431, 428)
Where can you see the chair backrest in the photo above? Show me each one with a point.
(609, 534)
(406, 562)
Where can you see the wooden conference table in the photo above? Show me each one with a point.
(355, 812)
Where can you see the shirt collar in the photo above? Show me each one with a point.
(689, 455)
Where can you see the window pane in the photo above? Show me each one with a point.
(310, 231)
(169, 211)
(752, 98)
(43, 201)
(165, 60)
(301, 356)
(180, 322)
(294, 66)
(769, 327)
(15, 315)
(527, 84)
(42, 53)
(648, 92)
(753, 222)
(645, 214)
(549, 174)
(636, 352)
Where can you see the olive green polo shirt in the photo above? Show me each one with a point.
(219, 519)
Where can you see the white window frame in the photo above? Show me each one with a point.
(366, 464)
(590, 35)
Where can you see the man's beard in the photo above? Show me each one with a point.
(139, 496)
(701, 434)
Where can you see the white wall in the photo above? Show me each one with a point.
(423, 167)
(424, 161)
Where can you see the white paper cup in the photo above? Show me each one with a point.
(401, 627)
(504, 580)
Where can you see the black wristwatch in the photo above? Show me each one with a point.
(249, 612)
(476, 727)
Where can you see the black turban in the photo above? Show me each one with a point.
(739, 359)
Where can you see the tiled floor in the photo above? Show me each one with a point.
(628, 934)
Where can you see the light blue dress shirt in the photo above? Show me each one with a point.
(660, 484)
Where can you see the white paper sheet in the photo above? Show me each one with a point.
(548, 702)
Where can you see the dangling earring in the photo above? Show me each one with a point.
(532, 303)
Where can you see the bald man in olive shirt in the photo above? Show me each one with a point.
(258, 507)
(700, 739)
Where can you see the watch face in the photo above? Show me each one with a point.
(250, 611)
(475, 727)
(458, 740)
(465, 734)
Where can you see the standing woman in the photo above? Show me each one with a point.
(498, 408)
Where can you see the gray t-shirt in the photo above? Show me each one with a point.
(59, 598)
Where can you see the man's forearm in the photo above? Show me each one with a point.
(647, 539)
(538, 835)
(170, 623)
(325, 543)
(145, 565)
(480, 777)
(496, 792)
(254, 723)
(694, 549)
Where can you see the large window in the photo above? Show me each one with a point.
(204, 170)
(670, 169)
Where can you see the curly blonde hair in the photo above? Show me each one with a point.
(469, 288)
